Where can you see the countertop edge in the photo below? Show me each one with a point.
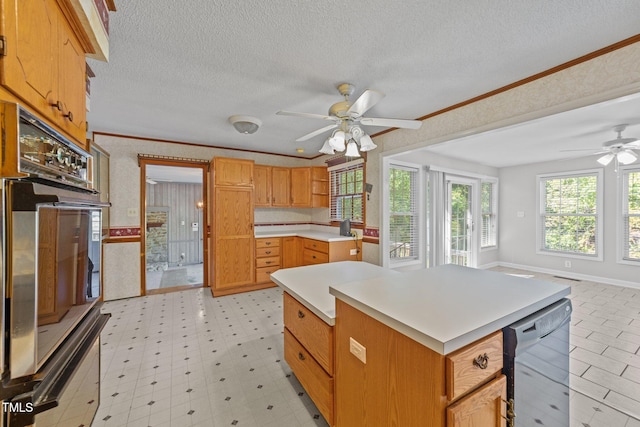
(459, 342)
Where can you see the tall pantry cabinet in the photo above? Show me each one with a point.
(233, 239)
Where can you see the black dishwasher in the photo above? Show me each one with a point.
(536, 363)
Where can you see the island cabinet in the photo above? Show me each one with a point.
(383, 377)
(43, 63)
(309, 351)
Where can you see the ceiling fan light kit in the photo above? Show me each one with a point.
(346, 117)
(620, 149)
(245, 124)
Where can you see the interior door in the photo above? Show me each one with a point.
(461, 232)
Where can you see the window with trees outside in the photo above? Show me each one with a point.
(570, 213)
(489, 213)
(631, 214)
(346, 192)
(403, 213)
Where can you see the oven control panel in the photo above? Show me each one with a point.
(46, 154)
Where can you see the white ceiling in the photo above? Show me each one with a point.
(178, 70)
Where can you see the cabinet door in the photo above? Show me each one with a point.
(484, 407)
(71, 93)
(262, 186)
(236, 172)
(291, 247)
(301, 187)
(234, 241)
(280, 187)
(30, 68)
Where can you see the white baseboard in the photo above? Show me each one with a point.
(570, 275)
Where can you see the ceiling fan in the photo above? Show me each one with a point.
(346, 117)
(619, 149)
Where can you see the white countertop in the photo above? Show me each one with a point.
(310, 285)
(310, 234)
(448, 307)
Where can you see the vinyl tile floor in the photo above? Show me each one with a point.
(187, 359)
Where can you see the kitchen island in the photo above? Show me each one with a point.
(407, 348)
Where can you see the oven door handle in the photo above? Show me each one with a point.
(59, 371)
(81, 204)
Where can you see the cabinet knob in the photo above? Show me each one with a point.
(300, 314)
(482, 361)
(267, 252)
(313, 256)
(69, 116)
(267, 243)
(301, 356)
(57, 105)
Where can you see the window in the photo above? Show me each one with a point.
(489, 213)
(403, 213)
(347, 189)
(570, 219)
(631, 214)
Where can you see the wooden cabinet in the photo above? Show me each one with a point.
(319, 252)
(233, 240)
(267, 259)
(272, 187)
(291, 249)
(45, 63)
(300, 187)
(484, 407)
(405, 383)
(233, 172)
(309, 351)
(319, 187)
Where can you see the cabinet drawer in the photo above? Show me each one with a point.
(316, 245)
(267, 252)
(314, 257)
(310, 330)
(263, 274)
(472, 365)
(267, 243)
(272, 261)
(313, 378)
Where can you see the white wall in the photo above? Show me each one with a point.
(518, 190)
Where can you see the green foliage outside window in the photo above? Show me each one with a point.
(632, 216)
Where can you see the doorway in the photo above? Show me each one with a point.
(460, 231)
(174, 225)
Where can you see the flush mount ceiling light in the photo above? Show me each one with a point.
(245, 124)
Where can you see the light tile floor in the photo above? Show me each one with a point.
(605, 341)
(187, 359)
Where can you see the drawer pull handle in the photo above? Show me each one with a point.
(300, 314)
(301, 356)
(267, 243)
(482, 361)
(268, 262)
(267, 252)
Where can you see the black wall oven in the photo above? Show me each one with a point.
(51, 233)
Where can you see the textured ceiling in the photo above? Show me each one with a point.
(178, 70)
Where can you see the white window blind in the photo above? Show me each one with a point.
(347, 190)
(403, 213)
(570, 213)
(631, 214)
(489, 207)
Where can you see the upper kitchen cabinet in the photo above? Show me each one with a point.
(272, 186)
(233, 172)
(43, 61)
(300, 187)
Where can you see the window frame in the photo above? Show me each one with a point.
(599, 214)
(346, 167)
(495, 213)
(414, 213)
(623, 195)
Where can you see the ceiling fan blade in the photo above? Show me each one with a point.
(368, 99)
(392, 123)
(316, 132)
(306, 115)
